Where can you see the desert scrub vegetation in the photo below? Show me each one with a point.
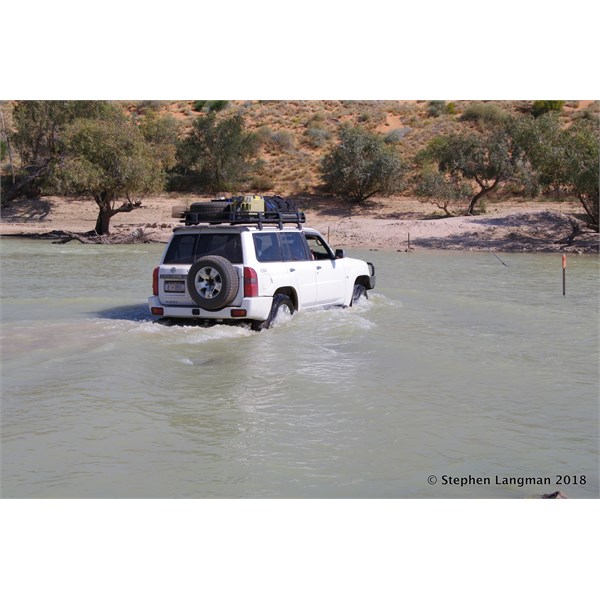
(209, 105)
(294, 137)
(396, 135)
(146, 106)
(448, 193)
(362, 165)
(484, 160)
(317, 137)
(541, 107)
(218, 153)
(437, 108)
(262, 183)
(484, 114)
(276, 141)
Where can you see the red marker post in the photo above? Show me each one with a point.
(564, 270)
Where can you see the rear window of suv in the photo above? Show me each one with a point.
(187, 248)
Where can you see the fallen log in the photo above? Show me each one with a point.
(59, 236)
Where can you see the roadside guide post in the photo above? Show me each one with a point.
(564, 273)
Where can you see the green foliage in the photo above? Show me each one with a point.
(486, 159)
(218, 152)
(217, 105)
(429, 155)
(583, 165)
(437, 108)
(38, 127)
(485, 114)
(541, 140)
(442, 190)
(162, 133)
(39, 124)
(362, 165)
(3, 150)
(199, 105)
(541, 107)
(107, 159)
(565, 158)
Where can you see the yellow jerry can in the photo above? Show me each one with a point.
(253, 204)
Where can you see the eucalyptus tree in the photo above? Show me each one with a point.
(111, 161)
(218, 151)
(38, 126)
(482, 159)
(565, 156)
(362, 165)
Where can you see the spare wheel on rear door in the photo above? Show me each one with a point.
(213, 282)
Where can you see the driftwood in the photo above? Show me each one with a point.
(138, 236)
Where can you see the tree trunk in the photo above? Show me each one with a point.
(103, 222)
(484, 190)
(104, 215)
(591, 208)
(104, 201)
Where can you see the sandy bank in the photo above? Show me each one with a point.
(507, 226)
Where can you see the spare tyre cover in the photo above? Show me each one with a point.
(213, 282)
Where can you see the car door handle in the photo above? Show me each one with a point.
(292, 270)
(319, 268)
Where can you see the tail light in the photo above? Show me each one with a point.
(250, 282)
(155, 281)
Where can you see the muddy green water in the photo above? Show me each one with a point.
(458, 378)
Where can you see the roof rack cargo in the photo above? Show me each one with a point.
(239, 217)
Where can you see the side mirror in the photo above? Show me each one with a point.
(339, 253)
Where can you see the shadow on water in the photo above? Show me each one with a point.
(138, 313)
(131, 312)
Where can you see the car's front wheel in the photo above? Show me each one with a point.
(359, 292)
(282, 307)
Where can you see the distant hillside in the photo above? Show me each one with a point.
(296, 134)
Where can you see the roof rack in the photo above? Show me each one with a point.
(245, 218)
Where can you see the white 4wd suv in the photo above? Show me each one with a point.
(253, 269)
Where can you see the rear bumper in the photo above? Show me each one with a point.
(257, 309)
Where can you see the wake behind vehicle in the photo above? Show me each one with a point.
(251, 259)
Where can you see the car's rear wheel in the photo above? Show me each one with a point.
(282, 308)
(212, 282)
